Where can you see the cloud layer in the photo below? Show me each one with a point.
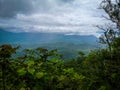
(61, 16)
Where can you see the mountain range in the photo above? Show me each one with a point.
(68, 45)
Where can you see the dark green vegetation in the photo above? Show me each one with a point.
(42, 69)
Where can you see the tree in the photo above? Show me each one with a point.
(112, 9)
(6, 52)
(111, 34)
(109, 57)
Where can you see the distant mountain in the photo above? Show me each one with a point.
(66, 44)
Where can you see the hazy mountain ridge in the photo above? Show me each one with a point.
(66, 44)
(45, 37)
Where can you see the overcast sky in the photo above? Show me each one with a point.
(62, 16)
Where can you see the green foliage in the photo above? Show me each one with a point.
(41, 69)
(37, 69)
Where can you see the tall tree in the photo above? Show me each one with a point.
(111, 33)
(6, 52)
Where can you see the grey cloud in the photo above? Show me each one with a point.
(9, 8)
(71, 16)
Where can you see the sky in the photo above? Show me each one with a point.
(59, 16)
